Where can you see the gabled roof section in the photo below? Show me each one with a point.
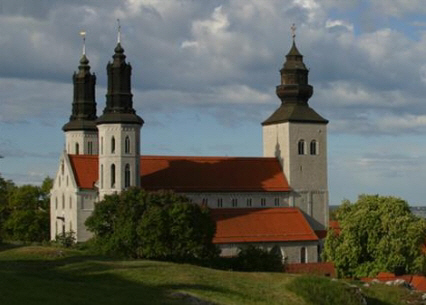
(214, 174)
(85, 168)
(244, 225)
(195, 174)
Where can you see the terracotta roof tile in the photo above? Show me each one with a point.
(197, 174)
(261, 225)
(85, 168)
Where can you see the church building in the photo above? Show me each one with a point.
(278, 201)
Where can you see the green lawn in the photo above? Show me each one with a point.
(46, 275)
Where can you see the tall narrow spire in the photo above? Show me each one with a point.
(83, 114)
(83, 34)
(119, 98)
(118, 31)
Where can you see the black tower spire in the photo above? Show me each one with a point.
(119, 104)
(294, 92)
(83, 114)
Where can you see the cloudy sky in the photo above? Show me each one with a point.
(204, 77)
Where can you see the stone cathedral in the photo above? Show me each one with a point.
(278, 201)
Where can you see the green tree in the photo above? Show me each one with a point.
(377, 234)
(6, 189)
(29, 212)
(160, 225)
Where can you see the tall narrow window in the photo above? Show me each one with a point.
(70, 203)
(263, 202)
(102, 175)
(56, 228)
(219, 203)
(77, 148)
(301, 147)
(205, 201)
(112, 175)
(127, 145)
(102, 145)
(249, 202)
(112, 145)
(127, 175)
(90, 148)
(63, 202)
(303, 255)
(62, 168)
(56, 203)
(234, 202)
(313, 147)
(277, 202)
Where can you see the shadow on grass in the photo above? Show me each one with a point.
(87, 280)
(374, 301)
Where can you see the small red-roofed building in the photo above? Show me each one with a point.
(278, 201)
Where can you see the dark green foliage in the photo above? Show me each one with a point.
(252, 258)
(66, 239)
(322, 291)
(24, 211)
(377, 234)
(160, 225)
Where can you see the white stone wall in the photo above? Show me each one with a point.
(66, 201)
(118, 157)
(289, 250)
(306, 174)
(84, 139)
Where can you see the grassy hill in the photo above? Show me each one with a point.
(47, 275)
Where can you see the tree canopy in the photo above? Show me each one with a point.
(156, 225)
(24, 211)
(377, 233)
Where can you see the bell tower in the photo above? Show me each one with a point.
(81, 134)
(297, 136)
(119, 130)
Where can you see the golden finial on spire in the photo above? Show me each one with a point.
(83, 34)
(119, 31)
(293, 30)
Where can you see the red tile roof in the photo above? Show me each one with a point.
(186, 174)
(261, 225)
(85, 168)
(325, 268)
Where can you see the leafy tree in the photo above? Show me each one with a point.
(6, 188)
(160, 225)
(252, 258)
(377, 234)
(29, 212)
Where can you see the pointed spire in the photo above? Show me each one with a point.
(118, 31)
(83, 114)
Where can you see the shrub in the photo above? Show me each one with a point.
(252, 258)
(66, 239)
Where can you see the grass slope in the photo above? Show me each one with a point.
(45, 275)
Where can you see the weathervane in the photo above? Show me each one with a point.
(119, 31)
(83, 34)
(293, 30)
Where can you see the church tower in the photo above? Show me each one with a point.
(119, 130)
(81, 134)
(297, 136)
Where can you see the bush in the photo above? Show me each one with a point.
(252, 258)
(66, 239)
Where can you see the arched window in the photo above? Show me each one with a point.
(112, 175)
(127, 175)
(301, 147)
(102, 175)
(127, 145)
(303, 255)
(313, 148)
(112, 145)
(77, 148)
